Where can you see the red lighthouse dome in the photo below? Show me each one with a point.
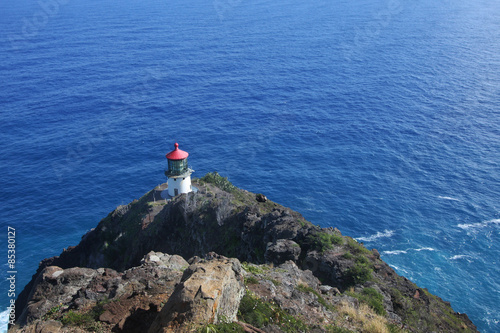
(177, 154)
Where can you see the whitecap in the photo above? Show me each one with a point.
(398, 269)
(386, 233)
(479, 225)
(462, 256)
(425, 249)
(394, 252)
(448, 198)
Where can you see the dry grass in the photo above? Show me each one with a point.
(363, 318)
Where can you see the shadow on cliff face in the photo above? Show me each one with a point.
(139, 320)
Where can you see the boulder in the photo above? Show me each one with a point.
(281, 251)
(260, 197)
(55, 286)
(210, 289)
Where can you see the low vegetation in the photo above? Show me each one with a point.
(363, 318)
(86, 320)
(254, 269)
(357, 274)
(372, 298)
(321, 300)
(221, 182)
(259, 313)
(322, 241)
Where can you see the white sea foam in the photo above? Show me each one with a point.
(4, 321)
(406, 251)
(394, 252)
(448, 198)
(398, 269)
(386, 233)
(479, 225)
(462, 256)
(425, 249)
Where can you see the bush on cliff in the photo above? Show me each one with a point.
(221, 182)
(322, 241)
(259, 313)
(357, 274)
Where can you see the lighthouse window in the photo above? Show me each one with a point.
(176, 168)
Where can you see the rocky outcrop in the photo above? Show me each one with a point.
(232, 223)
(209, 291)
(138, 291)
(282, 250)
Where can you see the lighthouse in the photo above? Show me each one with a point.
(178, 172)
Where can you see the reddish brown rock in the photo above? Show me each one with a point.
(209, 290)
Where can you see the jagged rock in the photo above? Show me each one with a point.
(55, 286)
(49, 326)
(209, 290)
(261, 197)
(281, 251)
(136, 294)
(164, 260)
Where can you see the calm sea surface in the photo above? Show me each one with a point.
(380, 118)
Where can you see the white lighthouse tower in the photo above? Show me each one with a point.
(178, 172)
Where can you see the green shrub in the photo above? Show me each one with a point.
(77, 319)
(275, 282)
(251, 268)
(258, 313)
(348, 255)
(251, 280)
(357, 274)
(255, 312)
(322, 241)
(372, 298)
(52, 312)
(221, 182)
(86, 319)
(336, 329)
(361, 259)
(394, 328)
(356, 248)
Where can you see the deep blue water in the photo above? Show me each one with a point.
(379, 118)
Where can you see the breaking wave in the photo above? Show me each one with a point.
(479, 225)
(386, 233)
(394, 252)
(398, 269)
(425, 249)
(461, 256)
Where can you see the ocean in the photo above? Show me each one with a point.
(380, 118)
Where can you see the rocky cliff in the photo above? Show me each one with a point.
(223, 259)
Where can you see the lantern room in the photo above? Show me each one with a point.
(178, 172)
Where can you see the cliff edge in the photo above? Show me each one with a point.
(223, 259)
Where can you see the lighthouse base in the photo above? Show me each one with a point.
(179, 185)
(164, 194)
